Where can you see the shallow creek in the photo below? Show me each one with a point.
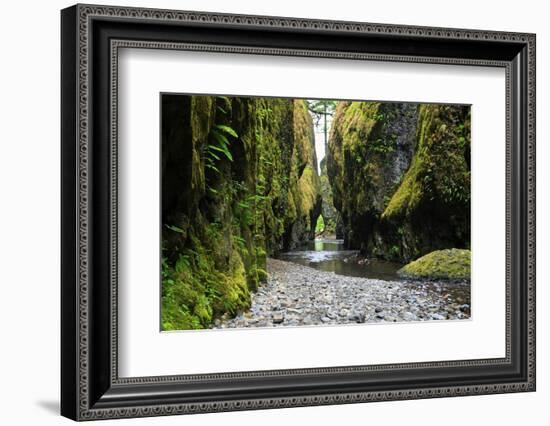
(329, 255)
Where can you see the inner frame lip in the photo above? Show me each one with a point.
(115, 46)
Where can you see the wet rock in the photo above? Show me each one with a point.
(465, 308)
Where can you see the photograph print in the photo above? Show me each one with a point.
(282, 212)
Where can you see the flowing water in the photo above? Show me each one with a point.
(329, 255)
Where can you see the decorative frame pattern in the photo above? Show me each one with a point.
(109, 397)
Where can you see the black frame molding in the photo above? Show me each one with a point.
(90, 38)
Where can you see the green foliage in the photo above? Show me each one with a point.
(322, 106)
(438, 172)
(175, 229)
(394, 252)
(220, 134)
(220, 128)
(329, 213)
(252, 175)
(321, 109)
(320, 226)
(201, 285)
(244, 203)
(383, 145)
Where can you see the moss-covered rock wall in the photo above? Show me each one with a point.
(331, 217)
(239, 182)
(370, 147)
(400, 176)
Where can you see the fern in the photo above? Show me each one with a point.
(220, 135)
(175, 229)
(226, 129)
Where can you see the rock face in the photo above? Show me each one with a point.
(370, 147)
(239, 182)
(304, 192)
(400, 176)
(331, 216)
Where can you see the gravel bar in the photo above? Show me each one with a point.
(296, 295)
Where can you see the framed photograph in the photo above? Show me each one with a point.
(263, 212)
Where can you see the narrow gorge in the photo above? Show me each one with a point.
(257, 231)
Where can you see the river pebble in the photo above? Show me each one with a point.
(296, 295)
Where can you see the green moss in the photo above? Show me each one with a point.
(328, 212)
(201, 121)
(262, 275)
(400, 177)
(203, 284)
(307, 190)
(350, 147)
(223, 221)
(233, 293)
(438, 172)
(370, 144)
(451, 264)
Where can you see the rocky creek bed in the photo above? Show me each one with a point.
(296, 295)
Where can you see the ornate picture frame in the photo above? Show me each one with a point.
(91, 37)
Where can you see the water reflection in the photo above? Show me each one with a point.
(329, 255)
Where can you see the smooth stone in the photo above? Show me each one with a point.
(438, 317)
(409, 316)
(278, 318)
(357, 317)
